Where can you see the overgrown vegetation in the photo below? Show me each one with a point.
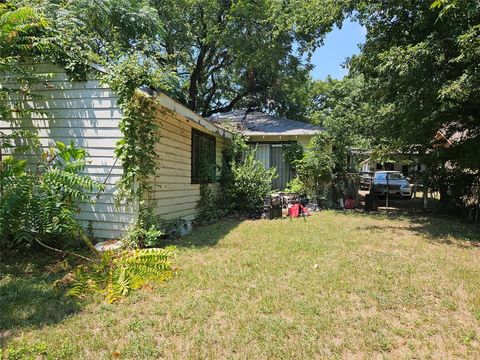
(38, 206)
(421, 77)
(293, 153)
(137, 148)
(252, 183)
(313, 168)
(23, 33)
(140, 129)
(39, 202)
(200, 44)
(245, 182)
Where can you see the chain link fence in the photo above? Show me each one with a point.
(342, 192)
(349, 190)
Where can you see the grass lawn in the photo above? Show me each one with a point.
(341, 285)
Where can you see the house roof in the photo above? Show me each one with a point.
(259, 123)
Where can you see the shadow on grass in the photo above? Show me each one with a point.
(444, 230)
(28, 297)
(205, 236)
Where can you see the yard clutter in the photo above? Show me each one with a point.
(286, 205)
(297, 210)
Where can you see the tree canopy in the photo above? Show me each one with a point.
(420, 62)
(213, 55)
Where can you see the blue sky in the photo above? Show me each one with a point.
(338, 45)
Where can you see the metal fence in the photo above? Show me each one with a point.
(348, 188)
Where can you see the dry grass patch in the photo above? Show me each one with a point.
(383, 287)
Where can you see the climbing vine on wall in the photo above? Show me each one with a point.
(136, 149)
(141, 131)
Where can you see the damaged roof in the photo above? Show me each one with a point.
(259, 123)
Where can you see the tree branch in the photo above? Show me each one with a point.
(63, 252)
(208, 100)
(228, 107)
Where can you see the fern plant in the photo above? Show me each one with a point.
(117, 275)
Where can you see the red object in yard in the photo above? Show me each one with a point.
(349, 203)
(296, 210)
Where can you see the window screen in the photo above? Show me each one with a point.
(203, 157)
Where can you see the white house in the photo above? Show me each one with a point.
(87, 113)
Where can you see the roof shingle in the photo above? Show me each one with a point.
(258, 123)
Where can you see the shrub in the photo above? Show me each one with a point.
(251, 184)
(295, 186)
(146, 232)
(315, 168)
(207, 207)
(244, 181)
(142, 236)
(293, 153)
(40, 203)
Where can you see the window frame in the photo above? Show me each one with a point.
(194, 177)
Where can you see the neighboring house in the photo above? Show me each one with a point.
(269, 134)
(87, 113)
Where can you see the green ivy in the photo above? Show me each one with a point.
(141, 131)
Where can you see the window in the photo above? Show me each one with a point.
(203, 157)
(395, 176)
(271, 156)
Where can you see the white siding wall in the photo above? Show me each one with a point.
(87, 113)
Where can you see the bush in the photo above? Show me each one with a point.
(142, 236)
(207, 207)
(232, 154)
(40, 203)
(315, 168)
(293, 153)
(251, 184)
(295, 186)
(244, 181)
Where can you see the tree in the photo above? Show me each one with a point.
(340, 106)
(420, 63)
(218, 54)
(22, 33)
(421, 69)
(314, 169)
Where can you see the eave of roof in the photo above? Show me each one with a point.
(169, 103)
